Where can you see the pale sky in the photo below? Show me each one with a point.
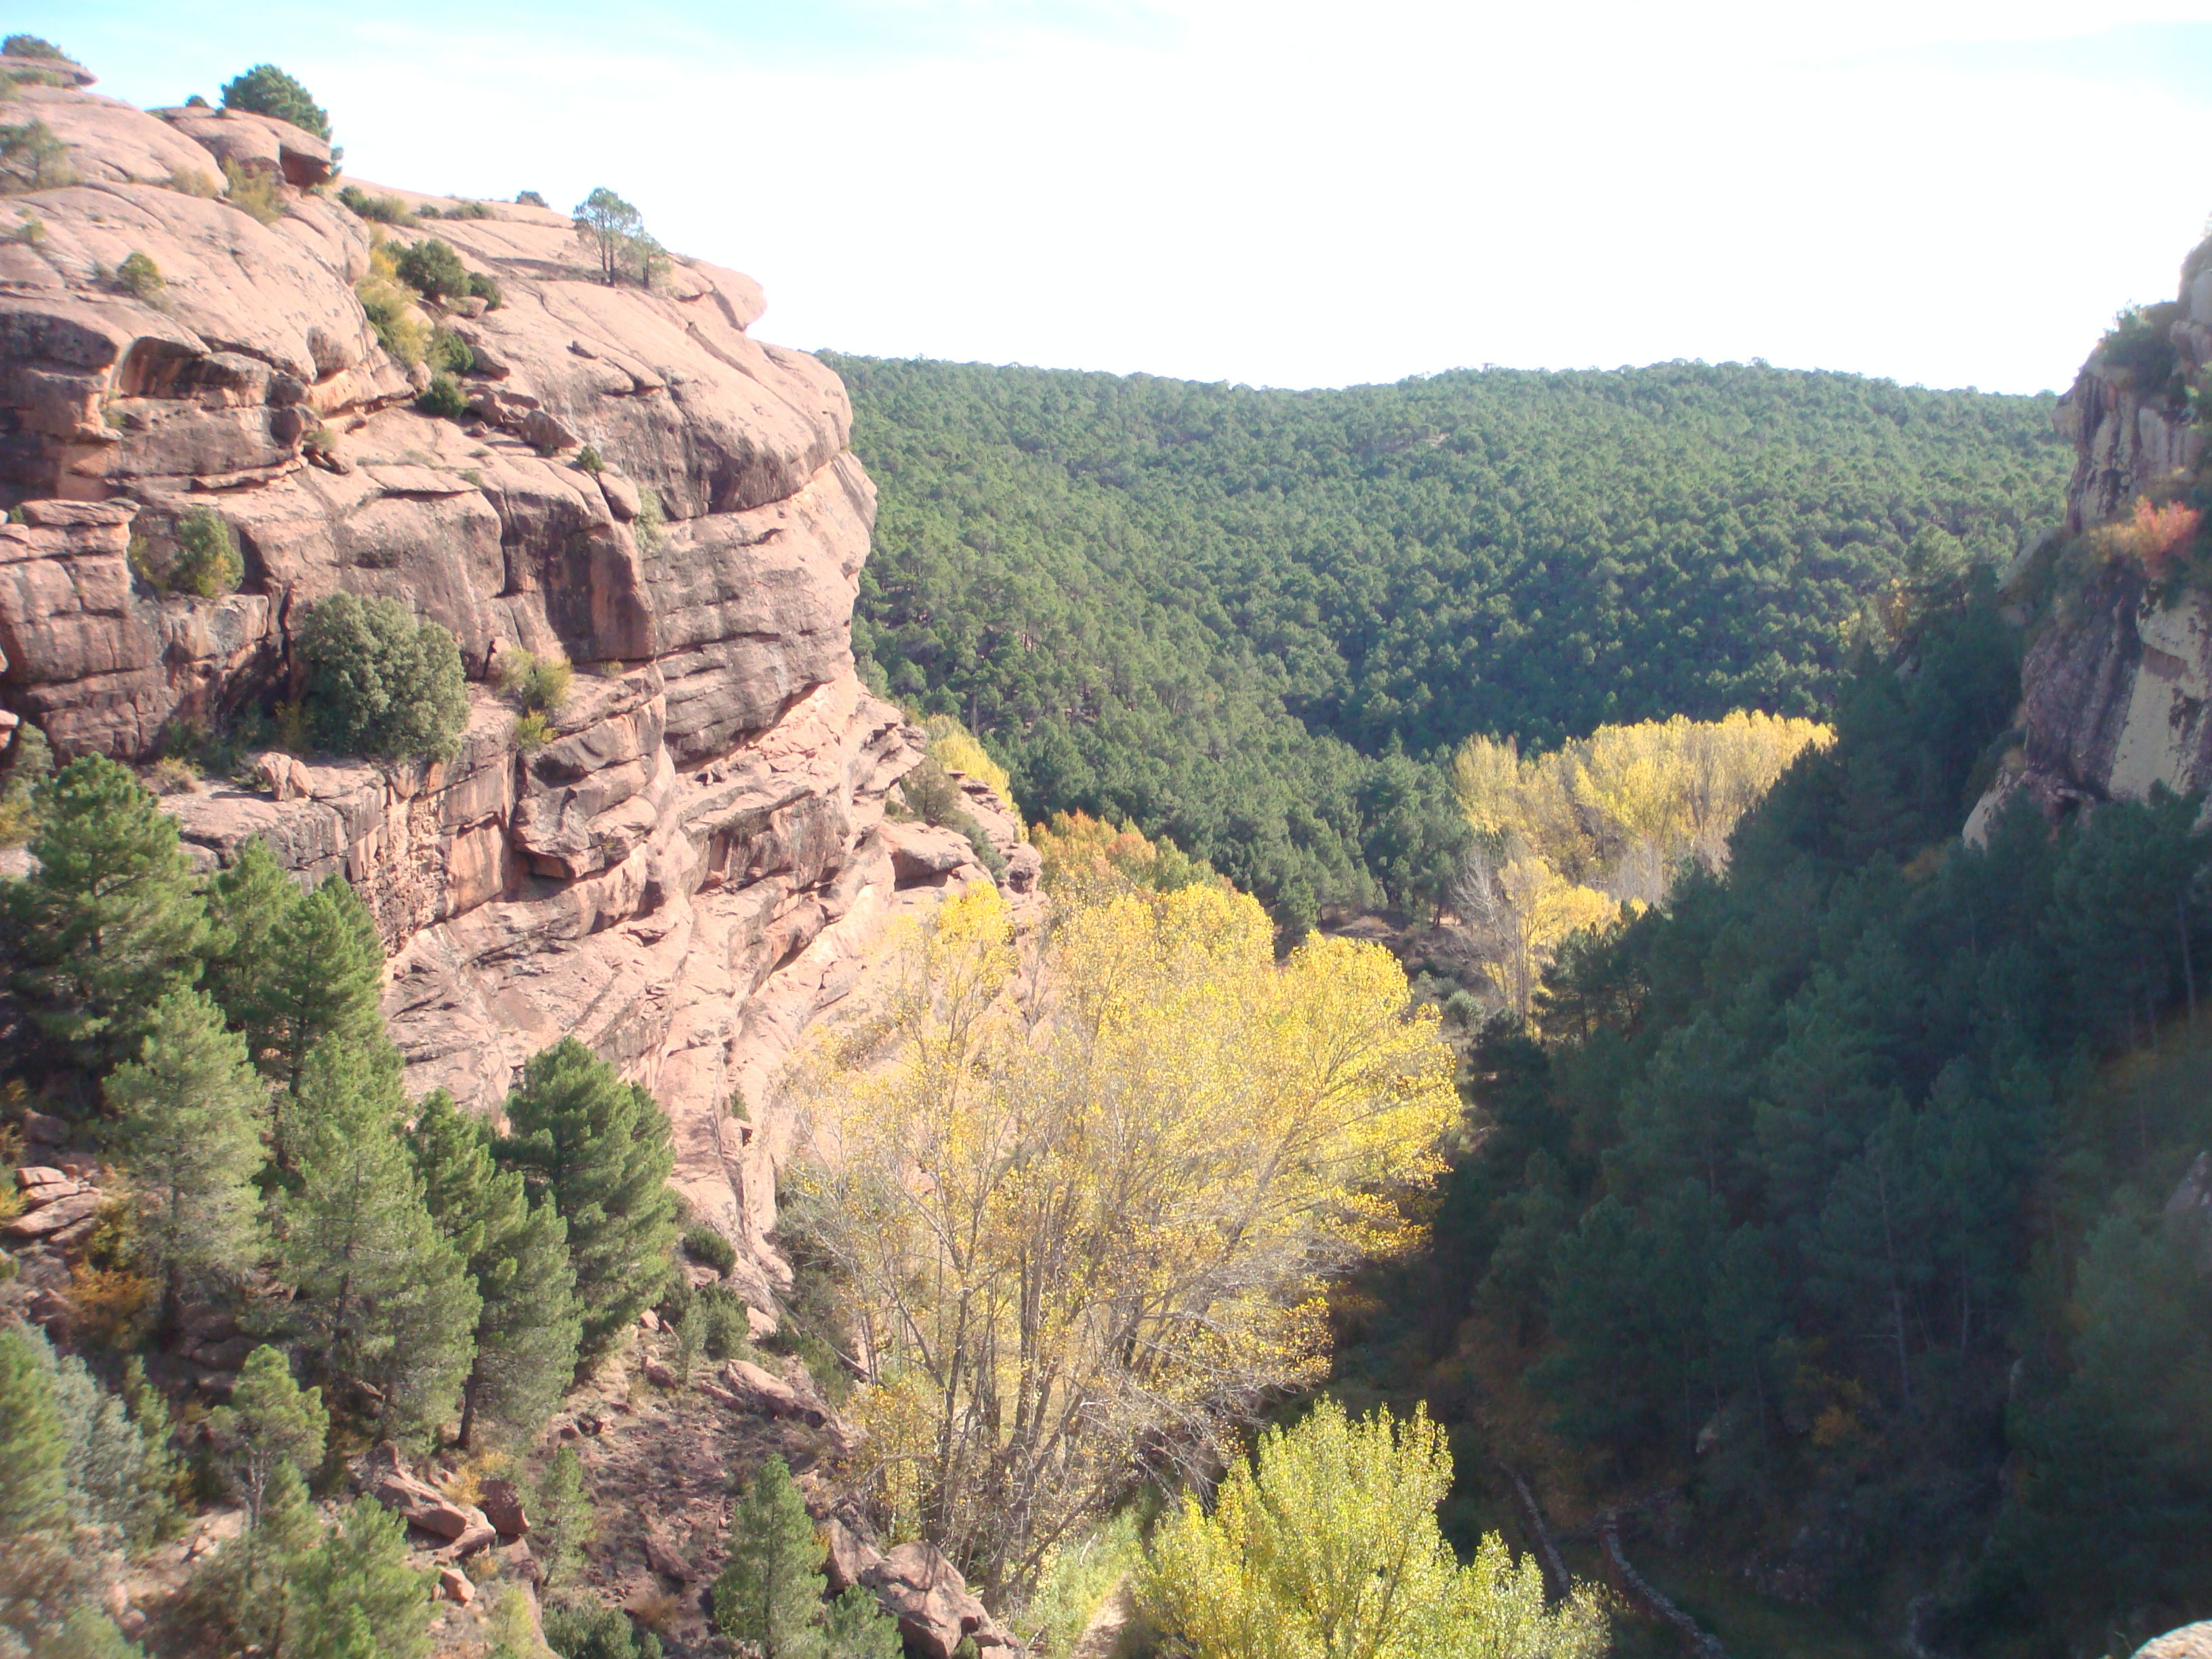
(1950, 192)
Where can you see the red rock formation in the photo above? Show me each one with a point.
(691, 869)
(2116, 680)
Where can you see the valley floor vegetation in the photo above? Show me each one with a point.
(1259, 623)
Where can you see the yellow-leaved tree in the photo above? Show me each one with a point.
(1325, 1545)
(1565, 839)
(1085, 1198)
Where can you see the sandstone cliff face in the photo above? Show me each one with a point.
(2116, 678)
(688, 873)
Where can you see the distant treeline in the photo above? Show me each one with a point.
(1227, 615)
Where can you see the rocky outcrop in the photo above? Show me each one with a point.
(2118, 668)
(693, 865)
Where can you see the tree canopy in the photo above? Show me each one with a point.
(1210, 611)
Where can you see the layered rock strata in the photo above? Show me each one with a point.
(2118, 672)
(689, 869)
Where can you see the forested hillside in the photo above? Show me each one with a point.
(1221, 612)
(1831, 1193)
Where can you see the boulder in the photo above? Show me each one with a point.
(663, 1556)
(658, 1374)
(763, 1392)
(503, 1507)
(43, 1129)
(923, 1590)
(256, 144)
(454, 1585)
(850, 1556)
(922, 853)
(52, 1218)
(384, 1477)
(2190, 1642)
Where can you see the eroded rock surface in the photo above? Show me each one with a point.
(695, 864)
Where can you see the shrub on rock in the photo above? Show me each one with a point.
(381, 683)
(433, 269)
(264, 89)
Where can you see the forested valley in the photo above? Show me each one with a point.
(1242, 619)
(1517, 1016)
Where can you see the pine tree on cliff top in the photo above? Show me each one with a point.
(600, 1148)
(517, 1253)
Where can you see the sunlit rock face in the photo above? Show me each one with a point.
(692, 864)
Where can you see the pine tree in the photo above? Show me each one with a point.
(322, 981)
(192, 1107)
(111, 917)
(857, 1627)
(243, 1589)
(771, 1590)
(564, 1521)
(247, 905)
(600, 1148)
(270, 1425)
(354, 1596)
(88, 1633)
(383, 1299)
(518, 1255)
(33, 1446)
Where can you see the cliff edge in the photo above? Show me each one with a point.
(2118, 666)
(688, 867)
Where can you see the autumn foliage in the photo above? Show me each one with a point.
(2153, 539)
(1085, 1197)
(1326, 1542)
(1565, 839)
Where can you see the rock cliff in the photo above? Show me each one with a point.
(2118, 666)
(687, 871)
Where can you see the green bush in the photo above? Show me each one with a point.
(30, 762)
(253, 192)
(267, 90)
(139, 277)
(710, 1249)
(532, 732)
(443, 398)
(648, 527)
(2136, 348)
(482, 288)
(450, 352)
(722, 1326)
(30, 45)
(433, 270)
(587, 460)
(207, 562)
(581, 1626)
(380, 682)
(539, 683)
(384, 209)
(528, 198)
(32, 157)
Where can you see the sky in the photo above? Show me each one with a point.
(1949, 192)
